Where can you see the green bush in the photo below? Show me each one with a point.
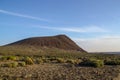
(45, 60)
(22, 64)
(38, 61)
(112, 62)
(13, 64)
(7, 65)
(52, 58)
(9, 58)
(93, 63)
(28, 60)
(3, 58)
(71, 61)
(60, 60)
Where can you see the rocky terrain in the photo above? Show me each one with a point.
(47, 71)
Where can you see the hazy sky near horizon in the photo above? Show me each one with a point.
(92, 24)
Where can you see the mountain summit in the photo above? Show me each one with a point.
(58, 41)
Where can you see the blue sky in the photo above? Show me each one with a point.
(92, 24)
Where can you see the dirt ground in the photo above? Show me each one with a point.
(59, 71)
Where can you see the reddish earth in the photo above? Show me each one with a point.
(59, 41)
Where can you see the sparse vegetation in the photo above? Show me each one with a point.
(39, 60)
(112, 62)
(61, 60)
(93, 63)
(52, 63)
(22, 64)
(61, 69)
(10, 65)
(8, 58)
(28, 60)
(14, 64)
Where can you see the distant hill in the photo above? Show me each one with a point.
(106, 52)
(58, 41)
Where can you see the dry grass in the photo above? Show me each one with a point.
(54, 64)
(41, 51)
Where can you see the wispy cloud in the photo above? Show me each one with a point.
(110, 36)
(105, 43)
(22, 15)
(86, 29)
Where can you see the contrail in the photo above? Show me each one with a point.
(87, 29)
(22, 15)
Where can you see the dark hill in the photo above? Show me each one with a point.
(59, 41)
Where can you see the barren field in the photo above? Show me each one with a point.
(29, 63)
(64, 71)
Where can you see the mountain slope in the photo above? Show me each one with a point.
(59, 41)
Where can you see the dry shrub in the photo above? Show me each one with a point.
(28, 60)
